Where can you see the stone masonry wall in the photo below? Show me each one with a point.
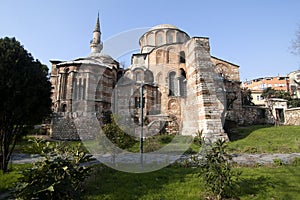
(202, 98)
(292, 116)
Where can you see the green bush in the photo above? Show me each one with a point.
(151, 144)
(296, 161)
(58, 175)
(117, 136)
(165, 139)
(198, 140)
(217, 171)
(278, 162)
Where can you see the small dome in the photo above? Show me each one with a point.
(163, 26)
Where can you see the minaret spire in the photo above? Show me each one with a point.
(97, 27)
(96, 44)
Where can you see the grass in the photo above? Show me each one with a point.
(186, 183)
(263, 182)
(167, 183)
(173, 182)
(265, 139)
(7, 180)
(26, 146)
(270, 183)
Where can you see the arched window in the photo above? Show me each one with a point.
(138, 76)
(75, 85)
(64, 108)
(182, 83)
(98, 95)
(172, 56)
(222, 70)
(182, 57)
(159, 78)
(79, 88)
(150, 39)
(178, 37)
(65, 83)
(149, 77)
(84, 89)
(159, 57)
(170, 37)
(159, 38)
(172, 91)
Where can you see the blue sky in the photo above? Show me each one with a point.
(254, 34)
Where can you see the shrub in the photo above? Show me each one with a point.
(117, 136)
(36, 146)
(165, 139)
(217, 171)
(151, 144)
(198, 140)
(278, 162)
(59, 175)
(296, 161)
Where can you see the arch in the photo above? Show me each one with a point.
(150, 39)
(159, 78)
(159, 38)
(64, 108)
(75, 85)
(84, 89)
(182, 83)
(172, 84)
(148, 76)
(172, 56)
(178, 37)
(79, 89)
(170, 37)
(98, 93)
(222, 70)
(138, 76)
(181, 57)
(159, 56)
(65, 83)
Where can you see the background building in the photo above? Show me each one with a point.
(257, 86)
(294, 84)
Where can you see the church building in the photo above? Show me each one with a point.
(173, 85)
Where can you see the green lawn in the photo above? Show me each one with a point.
(264, 139)
(186, 183)
(180, 183)
(7, 180)
(264, 182)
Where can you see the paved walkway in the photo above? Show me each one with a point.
(243, 159)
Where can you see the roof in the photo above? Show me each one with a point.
(225, 61)
(163, 26)
(93, 59)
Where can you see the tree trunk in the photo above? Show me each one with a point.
(8, 138)
(4, 164)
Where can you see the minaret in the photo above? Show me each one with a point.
(96, 44)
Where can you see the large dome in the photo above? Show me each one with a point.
(163, 26)
(163, 34)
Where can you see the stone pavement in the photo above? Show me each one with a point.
(242, 159)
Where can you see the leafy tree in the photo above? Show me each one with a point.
(296, 43)
(247, 97)
(59, 175)
(25, 95)
(217, 171)
(116, 135)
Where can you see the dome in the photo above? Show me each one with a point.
(94, 59)
(163, 26)
(163, 34)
